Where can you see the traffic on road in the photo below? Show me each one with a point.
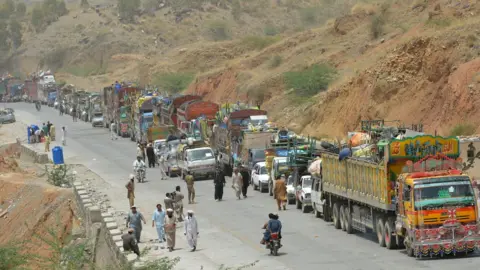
(394, 183)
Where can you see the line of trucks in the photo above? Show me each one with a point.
(404, 186)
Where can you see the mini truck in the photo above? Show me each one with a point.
(414, 198)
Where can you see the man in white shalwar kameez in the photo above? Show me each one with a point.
(191, 230)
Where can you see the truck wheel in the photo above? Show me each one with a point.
(409, 248)
(400, 241)
(381, 232)
(298, 204)
(390, 240)
(342, 217)
(270, 189)
(348, 221)
(305, 208)
(327, 217)
(336, 216)
(315, 211)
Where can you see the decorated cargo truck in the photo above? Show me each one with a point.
(415, 197)
(189, 112)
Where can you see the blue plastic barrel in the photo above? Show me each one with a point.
(57, 154)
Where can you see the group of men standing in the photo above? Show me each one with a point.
(165, 223)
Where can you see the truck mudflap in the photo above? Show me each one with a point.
(449, 239)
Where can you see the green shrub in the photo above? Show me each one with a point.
(463, 130)
(310, 81)
(258, 43)
(275, 61)
(439, 22)
(270, 30)
(173, 82)
(376, 26)
(218, 30)
(308, 16)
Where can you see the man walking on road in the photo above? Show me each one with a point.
(168, 201)
(131, 190)
(129, 243)
(219, 183)
(280, 191)
(113, 131)
(170, 229)
(190, 188)
(246, 180)
(237, 183)
(150, 156)
(191, 230)
(157, 220)
(178, 203)
(134, 220)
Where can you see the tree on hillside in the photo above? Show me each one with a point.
(4, 46)
(21, 9)
(37, 18)
(61, 9)
(9, 6)
(15, 32)
(128, 9)
(84, 4)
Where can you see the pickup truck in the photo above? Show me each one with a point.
(303, 193)
(199, 161)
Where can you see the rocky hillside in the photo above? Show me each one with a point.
(317, 66)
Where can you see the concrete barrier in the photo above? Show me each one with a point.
(109, 229)
(34, 153)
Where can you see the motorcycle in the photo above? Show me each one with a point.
(274, 244)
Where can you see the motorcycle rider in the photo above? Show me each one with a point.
(138, 165)
(272, 226)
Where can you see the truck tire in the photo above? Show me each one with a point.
(408, 247)
(315, 211)
(380, 228)
(400, 241)
(342, 217)
(348, 221)
(298, 204)
(327, 216)
(305, 208)
(336, 216)
(270, 188)
(390, 239)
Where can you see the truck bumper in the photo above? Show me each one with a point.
(203, 172)
(446, 247)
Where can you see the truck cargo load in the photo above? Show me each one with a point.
(159, 132)
(169, 113)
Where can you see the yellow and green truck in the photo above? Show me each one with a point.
(414, 198)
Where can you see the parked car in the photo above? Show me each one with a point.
(7, 117)
(303, 193)
(9, 110)
(290, 190)
(260, 177)
(97, 120)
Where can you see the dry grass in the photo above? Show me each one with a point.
(364, 8)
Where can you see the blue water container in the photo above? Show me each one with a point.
(57, 154)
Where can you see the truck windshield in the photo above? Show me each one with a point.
(258, 154)
(282, 166)
(452, 191)
(200, 154)
(307, 182)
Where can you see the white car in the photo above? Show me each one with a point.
(290, 190)
(304, 193)
(260, 176)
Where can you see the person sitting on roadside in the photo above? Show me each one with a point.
(129, 242)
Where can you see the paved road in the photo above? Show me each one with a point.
(230, 230)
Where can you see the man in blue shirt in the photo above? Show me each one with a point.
(158, 221)
(272, 226)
